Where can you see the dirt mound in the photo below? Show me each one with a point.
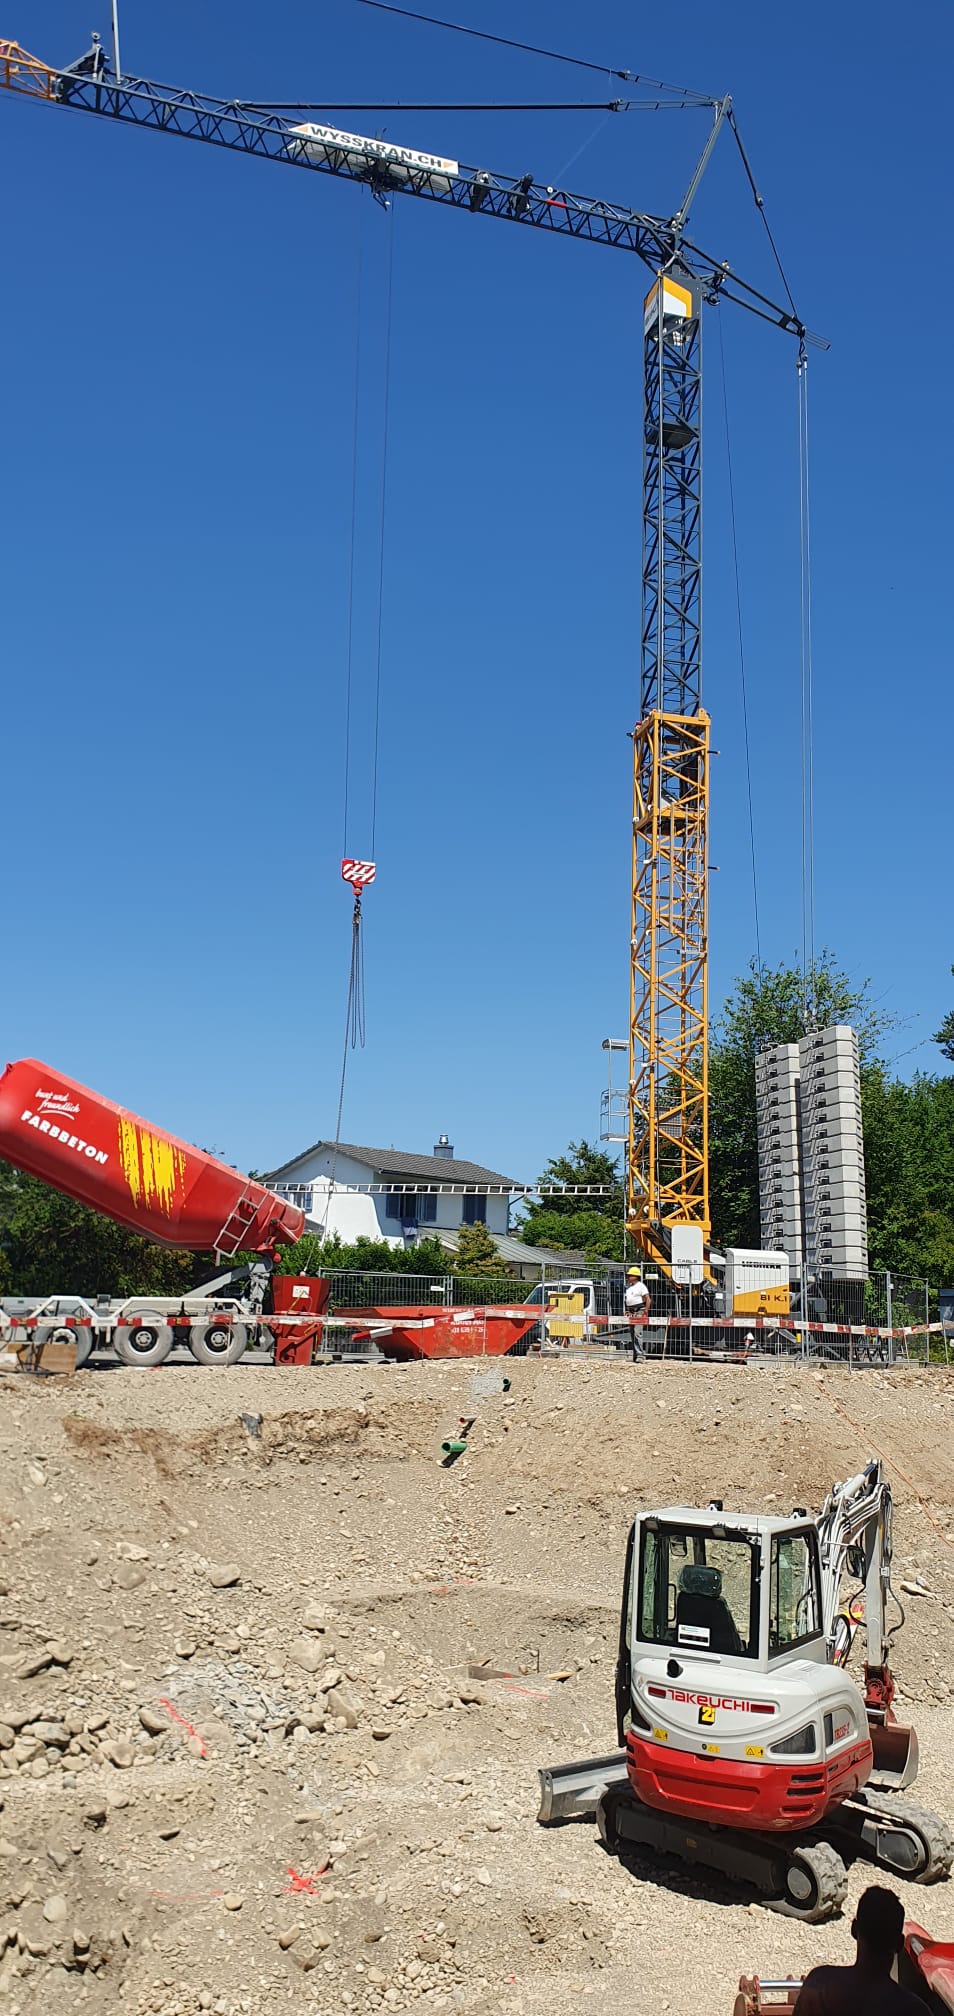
(331, 1431)
(275, 1683)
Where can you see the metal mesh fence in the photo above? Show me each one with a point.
(449, 1291)
(581, 1308)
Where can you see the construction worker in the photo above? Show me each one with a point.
(866, 1989)
(636, 1302)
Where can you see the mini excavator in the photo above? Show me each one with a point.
(747, 1746)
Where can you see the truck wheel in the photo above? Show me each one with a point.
(61, 1333)
(217, 1343)
(146, 1341)
(84, 1343)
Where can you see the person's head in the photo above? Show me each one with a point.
(878, 1926)
(635, 1274)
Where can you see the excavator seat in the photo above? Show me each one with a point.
(700, 1602)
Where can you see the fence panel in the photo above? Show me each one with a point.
(351, 1290)
(838, 1312)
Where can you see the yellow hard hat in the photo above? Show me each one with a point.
(634, 1273)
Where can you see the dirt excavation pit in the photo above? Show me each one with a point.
(246, 1763)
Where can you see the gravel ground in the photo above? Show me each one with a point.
(243, 1766)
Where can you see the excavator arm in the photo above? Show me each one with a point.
(855, 1532)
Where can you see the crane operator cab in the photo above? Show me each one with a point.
(726, 1702)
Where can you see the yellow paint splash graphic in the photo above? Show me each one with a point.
(153, 1167)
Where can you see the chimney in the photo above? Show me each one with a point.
(444, 1149)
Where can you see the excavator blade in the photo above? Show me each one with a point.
(573, 1791)
(895, 1748)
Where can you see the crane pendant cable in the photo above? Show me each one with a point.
(807, 699)
(357, 873)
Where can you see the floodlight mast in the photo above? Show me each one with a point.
(667, 1180)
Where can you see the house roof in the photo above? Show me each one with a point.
(393, 1163)
(519, 1254)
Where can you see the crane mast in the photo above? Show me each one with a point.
(668, 1161)
(667, 1175)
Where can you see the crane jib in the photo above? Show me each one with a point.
(668, 1038)
(87, 86)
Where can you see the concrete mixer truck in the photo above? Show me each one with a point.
(154, 1184)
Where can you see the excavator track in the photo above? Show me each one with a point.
(816, 1883)
(897, 1834)
(801, 1877)
(798, 1876)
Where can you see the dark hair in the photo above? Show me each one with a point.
(879, 1919)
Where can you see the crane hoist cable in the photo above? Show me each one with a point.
(377, 594)
(359, 874)
(807, 695)
(352, 560)
(565, 167)
(386, 435)
(745, 700)
(807, 681)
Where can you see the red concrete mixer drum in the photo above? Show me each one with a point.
(118, 1164)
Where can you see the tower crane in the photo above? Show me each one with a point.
(667, 1164)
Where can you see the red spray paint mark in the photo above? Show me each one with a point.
(183, 1724)
(307, 1883)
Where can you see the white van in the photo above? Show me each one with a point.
(581, 1311)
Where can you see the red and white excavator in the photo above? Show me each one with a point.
(748, 1746)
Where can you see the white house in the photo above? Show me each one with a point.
(384, 1193)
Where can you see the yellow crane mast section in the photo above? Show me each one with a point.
(669, 1089)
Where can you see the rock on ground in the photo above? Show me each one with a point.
(245, 1765)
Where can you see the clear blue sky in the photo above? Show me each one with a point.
(178, 365)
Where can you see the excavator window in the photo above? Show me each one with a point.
(699, 1591)
(794, 1597)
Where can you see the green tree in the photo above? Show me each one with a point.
(314, 1255)
(909, 1173)
(584, 1165)
(585, 1231)
(768, 1007)
(591, 1225)
(476, 1252)
(50, 1244)
(945, 1035)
